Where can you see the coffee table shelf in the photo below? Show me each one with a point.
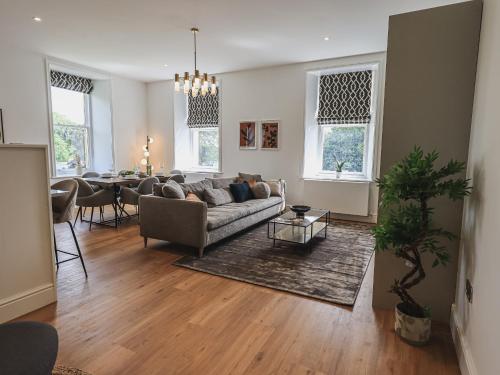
(287, 227)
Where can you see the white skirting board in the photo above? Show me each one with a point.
(26, 302)
(465, 360)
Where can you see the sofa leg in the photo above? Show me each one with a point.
(200, 252)
(145, 242)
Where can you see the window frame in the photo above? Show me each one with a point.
(195, 149)
(87, 125)
(313, 133)
(321, 145)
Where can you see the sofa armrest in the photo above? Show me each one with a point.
(173, 220)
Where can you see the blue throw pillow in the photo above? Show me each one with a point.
(241, 192)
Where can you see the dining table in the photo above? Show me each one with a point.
(114, 183)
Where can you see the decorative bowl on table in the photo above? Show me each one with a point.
(300, 210)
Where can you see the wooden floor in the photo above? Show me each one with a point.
(138, 314)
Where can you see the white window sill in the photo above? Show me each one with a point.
(188, 171)
(340, 180)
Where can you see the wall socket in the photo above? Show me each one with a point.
(468, 290)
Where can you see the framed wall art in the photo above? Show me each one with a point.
(248, 135)
(270, 133)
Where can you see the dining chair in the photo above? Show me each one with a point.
(131, 195)
(94, 187)
(175, 171)
(87, 197)
(62, 211)
(179, 178)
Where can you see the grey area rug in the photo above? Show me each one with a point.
(332, 271)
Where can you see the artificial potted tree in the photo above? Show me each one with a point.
(406, 229)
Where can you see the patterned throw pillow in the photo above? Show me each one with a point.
(261, 190)
(217, 197)
(172, 190)
(248, 177)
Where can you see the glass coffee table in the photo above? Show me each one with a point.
(290, 228)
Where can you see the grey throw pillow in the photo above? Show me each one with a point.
(172, 190)
(222, 182)
(276, 188)
(157, 187)
(261, 190)
(217, 197)
(249, 177)
(196, 188)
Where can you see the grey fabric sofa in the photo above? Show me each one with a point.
(197, 225)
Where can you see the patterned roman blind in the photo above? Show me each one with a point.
(70, 82)
(345, 98)
(203, 111)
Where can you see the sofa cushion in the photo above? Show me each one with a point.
(261, 190)
(196, 187)
(222, 182)
(276, 187)
(227, 213)
(248, 177)
(241, 192)
(172, 190)
(217, 197)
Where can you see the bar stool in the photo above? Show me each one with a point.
(62, 210)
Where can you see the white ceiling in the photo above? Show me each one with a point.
(135, 38)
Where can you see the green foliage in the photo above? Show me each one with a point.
(69, 141)
(208, 148)
(405, 226)
(346, 144)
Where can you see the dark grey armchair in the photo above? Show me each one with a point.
(87, 197)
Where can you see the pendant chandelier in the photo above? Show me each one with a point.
(196, 83)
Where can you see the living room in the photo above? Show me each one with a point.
(319, 201)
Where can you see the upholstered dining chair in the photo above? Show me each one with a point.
(131, 195)
(175, 171)
(87, 197)
(179, 178)
(90, 174)
(62, 211)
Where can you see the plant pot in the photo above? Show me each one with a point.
(79, 170)
(415, 331)
(338, 174)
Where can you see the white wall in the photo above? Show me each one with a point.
(27, 279)
(23, 98)
(264, 94)
(477, 324)
(102, 125)
(129, 121)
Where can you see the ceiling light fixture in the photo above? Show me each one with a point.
(165, 65)
(195, 83)
(37, 19)
(326, 38)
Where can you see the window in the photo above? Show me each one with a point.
(197, 134)
(205, 148)
(340, 122)
(343, 143)
(71, 130)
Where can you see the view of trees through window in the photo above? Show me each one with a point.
(70, 130)
(343, 144)
(208, 148)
